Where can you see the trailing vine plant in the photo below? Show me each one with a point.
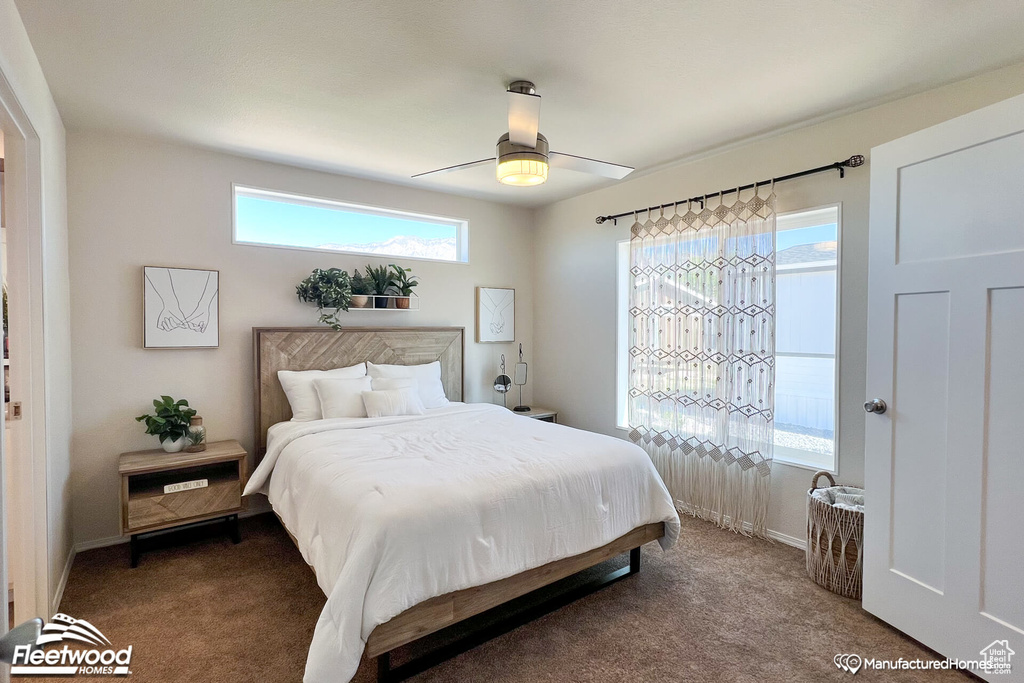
(327, 289)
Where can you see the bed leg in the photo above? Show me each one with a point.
(634, 560)
(383, 667)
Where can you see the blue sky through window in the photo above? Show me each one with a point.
(280, 222)
(784, 239)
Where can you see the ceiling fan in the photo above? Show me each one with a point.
(523, 156)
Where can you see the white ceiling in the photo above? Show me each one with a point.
(389, 89)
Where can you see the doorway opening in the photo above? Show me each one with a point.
(24, 562)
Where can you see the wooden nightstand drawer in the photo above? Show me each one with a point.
(149, 506)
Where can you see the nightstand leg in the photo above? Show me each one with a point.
(233, 530)
(135, 550)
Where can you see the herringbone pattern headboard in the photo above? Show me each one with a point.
(320, 348)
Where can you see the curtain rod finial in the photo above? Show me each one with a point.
(854, 161)
(600, 219)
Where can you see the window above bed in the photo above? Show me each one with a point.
(289, 221)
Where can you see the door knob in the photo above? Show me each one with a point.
(875, 405)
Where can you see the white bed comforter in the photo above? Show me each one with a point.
(393, 511)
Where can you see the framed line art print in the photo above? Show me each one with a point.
(181, 308)
(495, 315)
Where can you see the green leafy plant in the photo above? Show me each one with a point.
(171, 419)
(328, 289)
(380, 279)
(401, 282)
(360, 285)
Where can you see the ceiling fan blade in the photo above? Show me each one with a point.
(457, 167)
(585, 165)
(523, 118)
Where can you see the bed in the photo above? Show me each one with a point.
(415, 523)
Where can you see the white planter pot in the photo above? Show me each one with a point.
(174, 446)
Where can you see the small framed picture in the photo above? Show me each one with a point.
(495, 315)
(181, 308)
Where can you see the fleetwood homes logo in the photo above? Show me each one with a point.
(51, 655)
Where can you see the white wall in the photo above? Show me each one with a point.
(575, 266)
(46, 276)
(136, 202)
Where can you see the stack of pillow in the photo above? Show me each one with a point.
(363, 390)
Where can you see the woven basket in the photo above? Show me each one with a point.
(835, 540)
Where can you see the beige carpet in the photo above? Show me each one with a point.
(717, 607)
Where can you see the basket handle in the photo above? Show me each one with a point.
(819, 475)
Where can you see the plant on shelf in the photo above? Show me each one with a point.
(380, 278)
(327, 289)
(170, 422)
(402, 283)
(361, 290)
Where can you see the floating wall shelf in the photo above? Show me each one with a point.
(391, 303)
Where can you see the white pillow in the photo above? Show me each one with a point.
(342, 397)
(386, 383)
(392, 402)
(302, 396)
(427, 376)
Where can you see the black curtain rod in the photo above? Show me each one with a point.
(841, 166)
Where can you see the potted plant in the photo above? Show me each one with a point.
(195, 440)
(380, 277)
(170, 422)
(402, 284)
(361, 290)
(327, 289)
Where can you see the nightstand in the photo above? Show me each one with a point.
(542, 414)
(164, 490)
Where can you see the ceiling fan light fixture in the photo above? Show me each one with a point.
(522, 172)
(522, 166)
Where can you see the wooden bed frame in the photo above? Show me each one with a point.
(318, 348)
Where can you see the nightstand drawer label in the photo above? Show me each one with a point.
(186, 486)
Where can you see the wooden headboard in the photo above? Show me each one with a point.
(321, 348)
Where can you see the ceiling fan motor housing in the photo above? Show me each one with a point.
(508, 151)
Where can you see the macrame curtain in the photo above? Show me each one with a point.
(702, 355)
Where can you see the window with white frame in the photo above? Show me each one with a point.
(289, 221)
(806, 336)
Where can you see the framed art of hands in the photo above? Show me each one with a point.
(181, 308)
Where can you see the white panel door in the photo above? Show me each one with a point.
(944, 464)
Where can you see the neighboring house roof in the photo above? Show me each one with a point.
(805, 254)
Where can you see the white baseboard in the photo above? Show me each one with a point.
(82, 546)
(58, 594)
(115, 540)
(800, 543)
